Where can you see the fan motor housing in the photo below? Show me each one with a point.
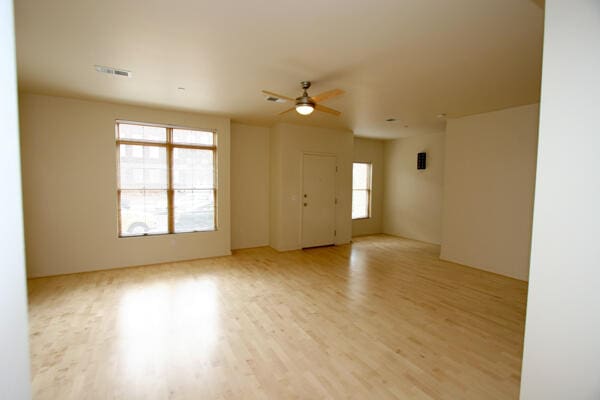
(305, 101)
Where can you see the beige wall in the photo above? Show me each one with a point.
(249, 186)
(412, 204)
(371, 151)
(69, 185)
(288, 144)
(275, 165)
(488, 195)
(561, 357)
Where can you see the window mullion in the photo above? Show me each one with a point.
(170, 193)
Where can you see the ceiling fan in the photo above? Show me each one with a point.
(306, 104)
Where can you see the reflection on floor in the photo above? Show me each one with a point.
(381, 318)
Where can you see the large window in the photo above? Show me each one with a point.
(166, 179)
(361, 190)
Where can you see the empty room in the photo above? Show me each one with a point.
(300, 200)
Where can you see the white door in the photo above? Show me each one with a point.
(318, 200)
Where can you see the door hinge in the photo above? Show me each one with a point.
(336, 170)
(335, 201)
(334, 232)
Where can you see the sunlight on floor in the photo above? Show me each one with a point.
(157, 320)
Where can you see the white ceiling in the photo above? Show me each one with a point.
(408, 59)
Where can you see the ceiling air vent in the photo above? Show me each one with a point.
(275, 99)
(112, 71)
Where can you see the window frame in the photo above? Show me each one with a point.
(169, 146)
(369, 188)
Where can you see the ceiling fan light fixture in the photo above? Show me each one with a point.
(304, 109)
(305, 104)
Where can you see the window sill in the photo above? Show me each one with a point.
(163, 234)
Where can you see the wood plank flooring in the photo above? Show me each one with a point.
(382, 318)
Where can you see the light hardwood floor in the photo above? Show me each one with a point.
(382, 318)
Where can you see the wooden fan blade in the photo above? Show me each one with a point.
(327, 95)
(327, 110)
(278, 95)
(288, 110)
